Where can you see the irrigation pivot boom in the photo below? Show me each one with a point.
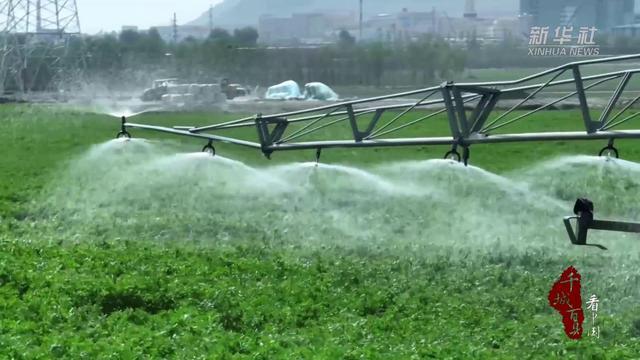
(583, 211)
(469, 107)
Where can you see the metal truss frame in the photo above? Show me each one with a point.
(277, 132)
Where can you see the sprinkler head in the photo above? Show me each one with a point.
(453, 155)
(123, 130)
(209, 149)
(610, 152)
(124, 135)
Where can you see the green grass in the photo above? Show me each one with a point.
(507, 74)
(116, 293)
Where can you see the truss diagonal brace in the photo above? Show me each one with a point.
(590, 125)
(268, 137)
(483, 110)
(451, 111)
(614, 99)
(358, 135)
(462, 125)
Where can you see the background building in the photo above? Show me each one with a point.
(310, 28)
(603, 14)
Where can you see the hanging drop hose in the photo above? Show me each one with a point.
(466, 154)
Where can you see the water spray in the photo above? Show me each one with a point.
(583, 210)
(481, 125)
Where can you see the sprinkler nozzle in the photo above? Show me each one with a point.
(209, 149)
(123, 129)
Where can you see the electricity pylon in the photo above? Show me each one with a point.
(37, 39)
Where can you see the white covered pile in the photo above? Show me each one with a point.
(290, 90)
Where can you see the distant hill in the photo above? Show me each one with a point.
(235, 13)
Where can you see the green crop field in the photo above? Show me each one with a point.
(602, 91)
(144, 249)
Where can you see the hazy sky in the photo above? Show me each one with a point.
(108, 15)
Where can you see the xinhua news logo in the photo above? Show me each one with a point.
(563, 41)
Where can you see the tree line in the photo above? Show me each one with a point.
(238, 56)
(133, 57)
(136, 58)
